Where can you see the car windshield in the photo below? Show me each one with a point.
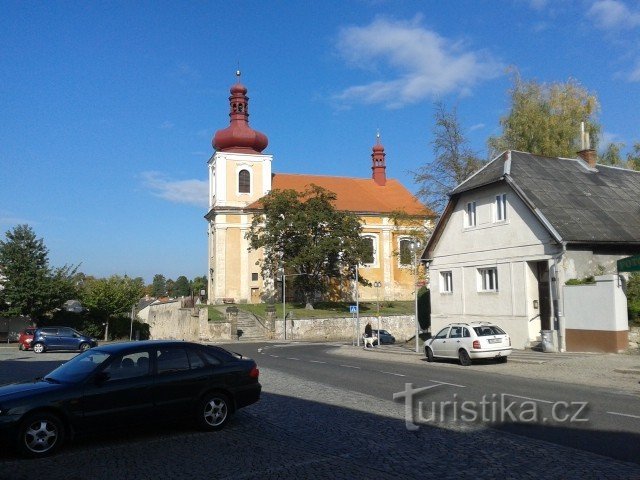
(487, 330)
(79, 367)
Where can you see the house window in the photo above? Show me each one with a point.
(446, 282)
(488, 279)
(244, 181)
(370, 258)
(501, 207)
(406, 257)
(254, 277)
(470, 217)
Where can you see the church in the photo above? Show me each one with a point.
(240, 173)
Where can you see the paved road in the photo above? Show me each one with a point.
(305, 428)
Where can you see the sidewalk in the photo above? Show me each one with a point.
(619, 372)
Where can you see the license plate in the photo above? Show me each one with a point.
(495, 340)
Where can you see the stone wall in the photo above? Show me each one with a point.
(344, 329)
(169, 321)
(634, 338)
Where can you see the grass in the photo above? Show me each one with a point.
(332, 309)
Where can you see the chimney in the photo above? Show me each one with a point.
(590, 156)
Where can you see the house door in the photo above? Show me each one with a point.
(544, 295)
(255, 295)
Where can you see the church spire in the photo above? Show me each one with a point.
(239, 136)
(378, 166)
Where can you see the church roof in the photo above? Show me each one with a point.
(359, 195)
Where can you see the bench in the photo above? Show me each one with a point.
(228, 300)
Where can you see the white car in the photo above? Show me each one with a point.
(469, 341)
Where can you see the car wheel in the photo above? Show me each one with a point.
(84, 347)
(38, 348)
(429, 353)
(40, 434)
(502, 359)
(214, 411)
(20, 346)
(464, 358)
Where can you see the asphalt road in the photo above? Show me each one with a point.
(333, 420)
(592, 419)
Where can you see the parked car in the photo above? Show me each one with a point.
(25, 337)
(125, 384)
(60, 338)
(469, 341)
(384, 336)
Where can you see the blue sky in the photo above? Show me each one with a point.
(107, 109)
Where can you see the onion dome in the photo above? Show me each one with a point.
(239, 137)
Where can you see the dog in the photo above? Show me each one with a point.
(368, 341)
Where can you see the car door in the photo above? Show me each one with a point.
(454, 342)
(182, 376)
(67, 339)
(121, 393)
(439, 343)
(51, 338)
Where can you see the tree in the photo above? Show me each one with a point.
(29, 286)
(633, 157)
(159, 286)
(302, 233)
(182, 287)
(611, 155)
(111, 298)
(198, 284)
(545, 119)
(454, 161)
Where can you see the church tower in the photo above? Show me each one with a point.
(239, 174)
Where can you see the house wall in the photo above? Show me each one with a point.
(596, 316)
(511, 246)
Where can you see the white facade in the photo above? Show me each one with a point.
(489, 271)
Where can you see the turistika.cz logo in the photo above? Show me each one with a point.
(494, 408)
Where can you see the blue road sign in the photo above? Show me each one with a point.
(353, 309)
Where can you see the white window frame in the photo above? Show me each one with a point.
(488, 279)
(374, 242)
(446, 282)
(470, 215)
(500, 208)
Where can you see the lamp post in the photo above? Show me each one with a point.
(414, 247)
(378, 285)
(284, 298)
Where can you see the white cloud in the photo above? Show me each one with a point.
(634, 76)
(477, 126)
(613, 15)
(191, 192)
(422, 63)
(166, 125)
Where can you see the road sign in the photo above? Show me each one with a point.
(629, 264)
(353, 309)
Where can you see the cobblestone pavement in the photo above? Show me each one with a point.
(302, 429)
(618, 372)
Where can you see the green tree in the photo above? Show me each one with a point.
(302, 233)
(198, 284)
(611, 155)
(159, 286)
(633, 157)
(545, 119)
(182, 287)
(30, 287)
(633, 298)
(454, 160)
(111, 298)
(171, 288)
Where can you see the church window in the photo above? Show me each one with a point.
(406, 257)
(244, 181)
(369, 258)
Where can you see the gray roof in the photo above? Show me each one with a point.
(582, 204)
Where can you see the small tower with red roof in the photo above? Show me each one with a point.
(378, 166)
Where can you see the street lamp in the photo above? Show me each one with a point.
(283, 277)
(414, 247)
(378, 285)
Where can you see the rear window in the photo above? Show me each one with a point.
(488, 330)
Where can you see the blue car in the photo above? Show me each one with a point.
(60, 338)
(385, 337)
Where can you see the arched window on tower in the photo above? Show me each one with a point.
(244, 181)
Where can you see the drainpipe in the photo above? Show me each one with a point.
(559, 303)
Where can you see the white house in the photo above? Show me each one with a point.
(513, 233)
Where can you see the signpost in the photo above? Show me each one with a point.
(353, 310)
(629, 264)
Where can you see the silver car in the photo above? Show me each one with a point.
(469, 341)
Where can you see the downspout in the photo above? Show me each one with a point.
(558, 307)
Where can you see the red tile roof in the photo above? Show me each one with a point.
(360, 195)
